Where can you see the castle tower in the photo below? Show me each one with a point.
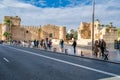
(62, 33)
(15, 20)
(8, 23)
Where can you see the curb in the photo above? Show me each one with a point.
(109, 61)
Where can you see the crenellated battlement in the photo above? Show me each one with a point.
(30, 27)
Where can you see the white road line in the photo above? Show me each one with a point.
(6, 59)
(70, 63)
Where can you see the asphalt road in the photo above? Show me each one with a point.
(20, 63)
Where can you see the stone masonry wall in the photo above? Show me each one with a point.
(23, 32)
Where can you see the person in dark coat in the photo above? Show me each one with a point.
(61, 44)
(74, 45)
(103, 47)
(99, 44)
(96, 50)
(37, 43)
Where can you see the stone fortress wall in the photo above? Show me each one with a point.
(23, 32)
(108, 33)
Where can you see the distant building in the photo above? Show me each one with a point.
(20, 32)
(106, 32)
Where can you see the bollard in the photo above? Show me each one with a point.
(54, 49)
(66, 51)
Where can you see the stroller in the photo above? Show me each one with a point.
(106, 53)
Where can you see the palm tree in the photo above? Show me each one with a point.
(111, 24)
(8, 22)
(97, 20)
(7, 35)
(118, 32)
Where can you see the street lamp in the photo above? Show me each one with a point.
(93, 10)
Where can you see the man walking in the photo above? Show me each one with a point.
(74, 46)
(103, 47)
(61, 44)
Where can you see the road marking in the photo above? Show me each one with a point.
(6, 59)
(66, 62)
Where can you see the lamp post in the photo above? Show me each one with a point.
(93, 10)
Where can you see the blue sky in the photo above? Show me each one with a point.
(56, 3)
(69, 13)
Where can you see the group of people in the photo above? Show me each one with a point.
(44, 43)
(74, 44)
(99, 47)
(36, 43)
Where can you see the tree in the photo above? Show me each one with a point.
(118, 32)
(111, 24)
(75, 35)
(7, 35)
(71, 34)
(72, 31)
(8, 22)
(67, 36)
(97, 20)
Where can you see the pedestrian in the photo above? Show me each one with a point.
(41, 43)
(50, 44)
(61, 45)
(47, 43)
(96, 50)
(74, 46)
(99, 44)
(37, 43)
(44, 44)
(103, 47)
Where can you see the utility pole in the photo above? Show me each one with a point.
(10, 37)
(93, 10)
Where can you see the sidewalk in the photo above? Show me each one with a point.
(113, 55)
